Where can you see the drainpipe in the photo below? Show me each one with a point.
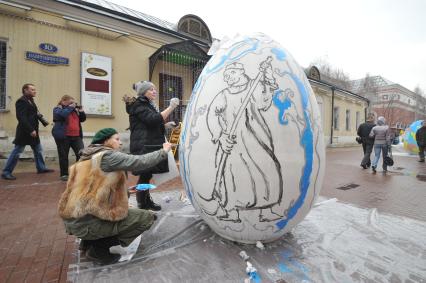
(332, 114)
(366, 109)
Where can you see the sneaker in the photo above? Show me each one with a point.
(8, 176)
(45, 171)
(421, 160)
(363, 166)
(64, 178)
(374, 169)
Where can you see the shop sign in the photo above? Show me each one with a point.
(48, 47)
(46, 59)
(96, 79)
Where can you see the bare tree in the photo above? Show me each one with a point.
(419, 111)
(329, 73)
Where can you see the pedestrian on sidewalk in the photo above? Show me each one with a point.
(26, 132)
(99, 213)
(381, 135)
(147, 130)
(421, 141)
(67, 131)
(367, 142)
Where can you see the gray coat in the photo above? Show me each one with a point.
(381, 134)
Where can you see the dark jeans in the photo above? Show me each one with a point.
(64, 145)
(422, 152)
(16, 152)
(367, 149)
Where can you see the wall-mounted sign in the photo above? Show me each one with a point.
(48, 47)
(96, 84)
(46, 59)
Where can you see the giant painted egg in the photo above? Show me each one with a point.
(251, 152)
(410, 143)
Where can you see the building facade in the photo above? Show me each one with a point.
(93, 51)
(342, 111)
(397, 104)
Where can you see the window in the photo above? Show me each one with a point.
(348, 120)
(3, 48)
(336, 118)
(357, 119)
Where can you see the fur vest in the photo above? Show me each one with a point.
(93, 191)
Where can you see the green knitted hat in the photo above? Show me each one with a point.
(103, 135)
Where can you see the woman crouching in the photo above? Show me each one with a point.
(94, 206)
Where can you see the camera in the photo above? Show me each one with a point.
(42, 119)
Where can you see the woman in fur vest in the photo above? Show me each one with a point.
(94, 206)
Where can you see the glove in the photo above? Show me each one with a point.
(170, 125)
(174, 102)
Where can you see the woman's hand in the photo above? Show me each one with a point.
(170, 125)
(174, 102)
(167, 146)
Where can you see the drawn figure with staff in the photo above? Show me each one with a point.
(243, 137)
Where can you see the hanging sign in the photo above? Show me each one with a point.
(46, 59)
(96, 84)
(48, 48)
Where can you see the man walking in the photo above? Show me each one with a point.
(421, 141)
(367, 142)
(26, 133)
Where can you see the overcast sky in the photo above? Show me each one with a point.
(379, 37)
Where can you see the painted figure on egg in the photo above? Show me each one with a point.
(243, 137)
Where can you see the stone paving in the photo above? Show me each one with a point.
(35, 248)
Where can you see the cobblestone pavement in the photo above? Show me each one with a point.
(401, 191)
(35, 248)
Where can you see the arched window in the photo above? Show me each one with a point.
(196, 27)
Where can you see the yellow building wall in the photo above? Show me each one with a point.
(129, 64)
(324, 99)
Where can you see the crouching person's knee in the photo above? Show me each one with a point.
(141, 219)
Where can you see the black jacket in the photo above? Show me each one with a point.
(364, 132)
(26, 113)
(421, 136)
(146, 132)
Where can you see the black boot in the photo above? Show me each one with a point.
(150, 204)
(99, 253)
(145, 201)
(85, 245)
(140, 199)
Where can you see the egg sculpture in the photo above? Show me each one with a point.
(251, 153)
(410, 142)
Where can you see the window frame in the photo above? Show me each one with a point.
(4, 100)
(348, 119)
(336, 118)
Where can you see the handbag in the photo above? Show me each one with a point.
(389, 158)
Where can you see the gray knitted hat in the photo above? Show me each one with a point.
(142, 87)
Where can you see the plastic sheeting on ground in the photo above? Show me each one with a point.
(336, 242)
